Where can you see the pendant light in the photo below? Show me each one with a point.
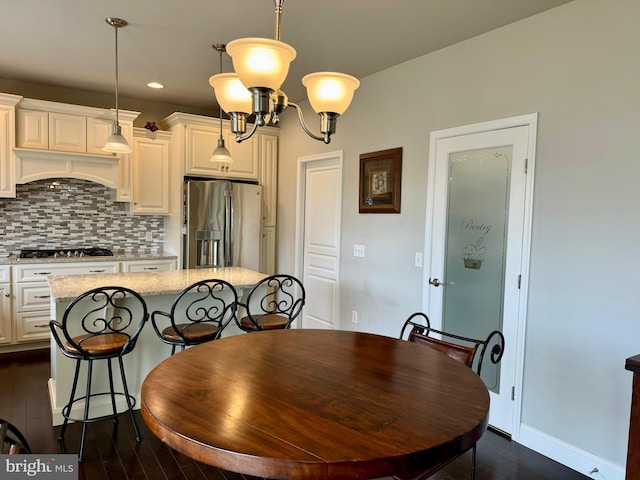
(116, 143)
(262, 65)
(220, 154)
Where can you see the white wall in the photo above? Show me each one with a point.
(578, 66)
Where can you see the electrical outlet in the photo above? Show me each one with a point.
(149, 236)
(358, 250)
(354, 317)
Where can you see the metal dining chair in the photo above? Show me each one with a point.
(469, 351)
(273, 303)
(199, 314)
(101, 324)
(11, 440)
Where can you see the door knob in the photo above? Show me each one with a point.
(434, 281)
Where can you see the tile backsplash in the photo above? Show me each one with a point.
(74, 213)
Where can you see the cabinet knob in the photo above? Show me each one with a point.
(7, 295)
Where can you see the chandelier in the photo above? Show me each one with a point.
(261, 66)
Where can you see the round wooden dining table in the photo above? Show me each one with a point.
(315, 404)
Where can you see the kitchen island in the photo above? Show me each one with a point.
(158, 289)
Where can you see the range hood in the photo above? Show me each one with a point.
(32, 165)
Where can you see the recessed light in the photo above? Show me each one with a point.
(155, 85)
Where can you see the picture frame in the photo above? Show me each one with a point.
(381, 181)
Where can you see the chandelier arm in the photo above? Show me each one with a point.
(241, 138)
(327, 137)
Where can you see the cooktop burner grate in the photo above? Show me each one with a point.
(65, 252)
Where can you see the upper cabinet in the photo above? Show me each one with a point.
(150, 173)
(55, 140)
(7, 142)
(199, 137)
(61, 127)
(201, 140)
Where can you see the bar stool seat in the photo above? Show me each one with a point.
(101, 324)
(195, 334)
(198, 314)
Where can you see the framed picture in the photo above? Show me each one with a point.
(380, 181)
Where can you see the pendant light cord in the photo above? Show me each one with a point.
(117, 119)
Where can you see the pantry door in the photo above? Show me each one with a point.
(478, 234)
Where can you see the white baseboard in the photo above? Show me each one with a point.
(569, 455)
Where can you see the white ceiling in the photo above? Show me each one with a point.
(68, 43)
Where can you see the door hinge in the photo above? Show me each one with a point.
(526, 165)
(513, 393)
(519, 281)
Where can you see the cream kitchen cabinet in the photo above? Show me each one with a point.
(62, 140)
(202, 140)
(32, 308)
(7, 143)
(150, 172)
(269, 182)
(5, 305)
(149, 266)
(62, 132)
(196, 137)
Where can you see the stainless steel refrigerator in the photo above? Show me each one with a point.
(222, 224)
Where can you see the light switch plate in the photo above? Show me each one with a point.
(358, 250)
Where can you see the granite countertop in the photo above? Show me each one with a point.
(67, 287)
(117, 257)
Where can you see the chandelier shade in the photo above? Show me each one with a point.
(261, 62)
(232, 95)
(329, 91)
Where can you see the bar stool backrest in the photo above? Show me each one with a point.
(273, 303)
(101, 323)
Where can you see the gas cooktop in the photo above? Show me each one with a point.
(65, 253)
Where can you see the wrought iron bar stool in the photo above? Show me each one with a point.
(272, 304)
(469, 351)
(101, 324)
(198, 314)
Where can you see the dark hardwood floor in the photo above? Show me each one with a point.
(114, 455)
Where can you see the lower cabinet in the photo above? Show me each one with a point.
(5, 306)
(32, 309)
(25, 297)
(149, 265)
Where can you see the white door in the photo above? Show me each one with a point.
(318, 238)
(478, 233)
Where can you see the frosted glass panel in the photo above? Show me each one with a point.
(476, 245)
